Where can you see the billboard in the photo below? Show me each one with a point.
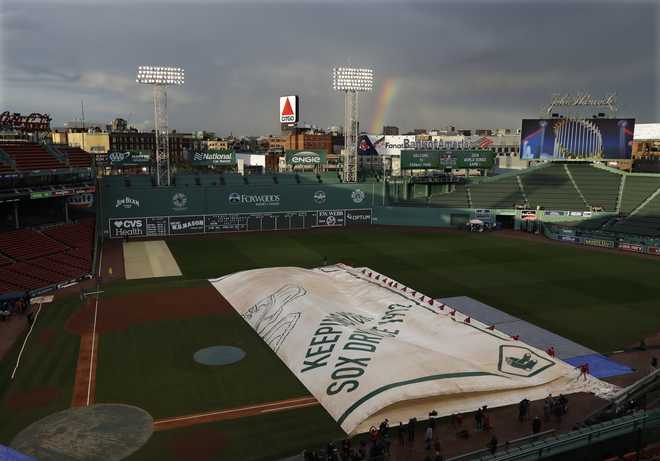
(439, 159)
(565, 138)
(214, 157)
(305, 157)
(128, 158)
(289, 109)
(369, 144)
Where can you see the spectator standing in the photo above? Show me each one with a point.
(492, 445)
(400, 434)
(478, 418)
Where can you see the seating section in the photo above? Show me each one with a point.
(140, 180)
(599, 187)
(330, 177)
(636, 190)
(286, 178)
(26, 244)
(551, 189)
(260, 179)
(455, 199)
(504, 193)
(31, 157)
(31, 259)
(78, 158)
(308, 178)
(233, 179)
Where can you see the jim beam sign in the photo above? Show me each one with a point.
(289, 109)
(581, 100)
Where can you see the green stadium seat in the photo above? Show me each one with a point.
(330, 177)
(504, 193)
(636, 190)
(599, 187)
(551, 189)
(308, 178)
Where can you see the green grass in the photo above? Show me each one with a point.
(151, 366)
(50, 365)
(266, 437)
(603, 300)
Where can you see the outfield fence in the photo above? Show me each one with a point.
(603, 239)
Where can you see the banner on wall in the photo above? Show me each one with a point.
(367, 350)
(220, 157)
(305, 157)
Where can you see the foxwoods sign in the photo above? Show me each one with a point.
(582, 100)
(255, 199)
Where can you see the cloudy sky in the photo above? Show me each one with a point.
(470, 64)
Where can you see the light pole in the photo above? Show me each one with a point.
(160, 78)
(351, 81)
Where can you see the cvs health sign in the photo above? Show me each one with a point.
(289, 109)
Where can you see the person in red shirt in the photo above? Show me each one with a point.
(551, 351)
(584, 370)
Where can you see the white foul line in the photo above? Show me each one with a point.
(96, 308)
(232, 410)
(298, 405)
(25, 342)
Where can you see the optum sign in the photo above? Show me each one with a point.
(305, 157)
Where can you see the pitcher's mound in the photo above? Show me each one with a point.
(219, 355)
(104, 432)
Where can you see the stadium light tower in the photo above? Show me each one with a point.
(160, 78)
(351, 81)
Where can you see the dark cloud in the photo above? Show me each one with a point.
(472, 64)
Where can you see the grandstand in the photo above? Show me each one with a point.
(32, 259)
(599, 187)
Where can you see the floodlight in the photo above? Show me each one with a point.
(160, 78)
(351, 81)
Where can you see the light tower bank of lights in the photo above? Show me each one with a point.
(351, 81)
(160, 78)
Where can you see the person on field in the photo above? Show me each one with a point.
(479, 418)
(402, 441)
(428, 437)
(536, 425)
(584, 371)
(492, 445)
(654, 364)
(551, 352)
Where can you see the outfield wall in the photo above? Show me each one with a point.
(152, 212)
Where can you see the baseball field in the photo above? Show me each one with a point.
(148, 330)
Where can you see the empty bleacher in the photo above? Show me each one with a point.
(599, 187)
(504, 193)
(78, 158)
(260, 179)
(308, 178)
(330, 177)
(31, 157)
(25, 244)
(233, 179)
(552, 189)
(636, 190)
(286, 178)
(140, 180)
(31, 259)
(455, 199)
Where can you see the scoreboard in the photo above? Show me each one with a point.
(163, 226)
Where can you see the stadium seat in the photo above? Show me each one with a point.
(551, 188)
(31, 157)
(598, 186)
(308, 178)
(77, 157)
(637, 189)
(504, 193)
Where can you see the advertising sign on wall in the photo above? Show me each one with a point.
(186, 225)
(129, 227)
(305, 157)
(128, 158)
(564, 138)
(225, 157)
(631, 247)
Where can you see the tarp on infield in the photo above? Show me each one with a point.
(368, 348)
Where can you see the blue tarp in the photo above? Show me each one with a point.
(7, 454)
(599, 365)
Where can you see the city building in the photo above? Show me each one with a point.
(391, 130)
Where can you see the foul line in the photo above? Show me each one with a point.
(18, 360)
(96, 308)
(262, 408)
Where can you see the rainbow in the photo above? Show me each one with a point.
(385, 98)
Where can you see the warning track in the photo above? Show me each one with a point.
(234, 413)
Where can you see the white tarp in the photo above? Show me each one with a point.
(368, 348)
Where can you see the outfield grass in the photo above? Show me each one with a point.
(603, 300)
(44, 365)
